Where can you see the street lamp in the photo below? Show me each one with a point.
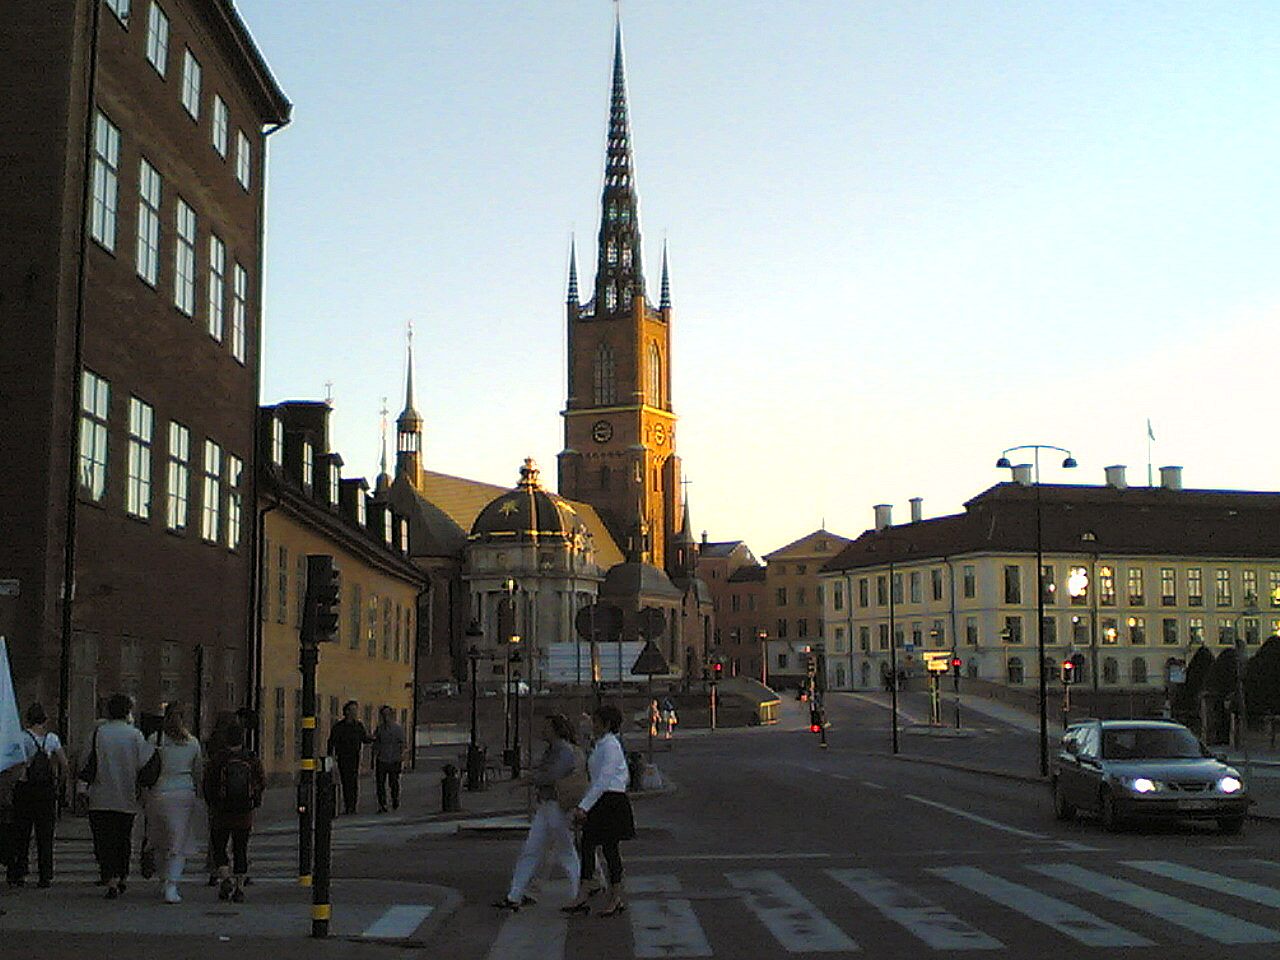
(475, 756)
(1004, 464)
(763, 637)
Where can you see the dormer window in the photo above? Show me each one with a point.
(308, 465)
(386, 527)
(404, 536)
(362, 516)
(277, 442)
(335, 479)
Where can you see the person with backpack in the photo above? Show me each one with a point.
(233, 786)
(35, 799)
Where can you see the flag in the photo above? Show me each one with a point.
(1151, 434)
(11, 752)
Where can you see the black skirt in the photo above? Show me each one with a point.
(610, 820)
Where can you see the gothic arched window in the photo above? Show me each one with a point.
(610, 297)
(653, 381)
(605, 377)
(611, 252)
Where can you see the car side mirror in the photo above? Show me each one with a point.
(1220, 757)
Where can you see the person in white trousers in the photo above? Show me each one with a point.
(172, 803)
(551, 828)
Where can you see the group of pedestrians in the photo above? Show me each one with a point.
(347, 740)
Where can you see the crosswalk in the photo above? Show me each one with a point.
(907, 911)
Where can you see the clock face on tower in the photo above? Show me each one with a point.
(602, 431)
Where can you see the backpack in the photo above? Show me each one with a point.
(40, 783)
(235, 791)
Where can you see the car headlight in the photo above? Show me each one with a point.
(1230, 785)
(1143, 785)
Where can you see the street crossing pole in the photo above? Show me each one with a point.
(326, 806)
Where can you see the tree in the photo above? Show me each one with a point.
(1262, 680)
(1186, 700)
(1221, 679)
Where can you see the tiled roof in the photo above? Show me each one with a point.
(794, 547)
(721, 549)
(748, 573)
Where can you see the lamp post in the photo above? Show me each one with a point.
(893, 657)
(763, 636)
(475, 756)
(1250, 610)
(1004, 464)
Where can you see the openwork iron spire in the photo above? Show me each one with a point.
(619, 277)
(409, 415)
(664, 301)
(573, 271)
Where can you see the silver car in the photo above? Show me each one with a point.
(1126, 770)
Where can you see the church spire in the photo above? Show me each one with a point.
(409, 426)
(619, 277)
(573, 271)
(664, 301)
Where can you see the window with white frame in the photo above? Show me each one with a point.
(935, 581)
(1222, 586)
(969, 575)
(404, 535)
(308, 464)
(1168, 587)
(211, 505)
(1249, 586)
(335, 480)
(184, 260)
(362, 516)
(191, 84)
(1195, 630)
(971, 631)
(217, 285)
(157, 38)
(1273, 587)
(138, 487)
(1195, 587)
(95, 402)
(1169, 631)
(220, 126)
(149, 186)
(106, 181)
(179, 476)
(1138, 630)
(239, 311)
(235, 502)
(120, 8)
(915, 586)
(277, 441)
(387, 527)
(244, 159)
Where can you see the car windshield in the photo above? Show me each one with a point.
(1150, 743)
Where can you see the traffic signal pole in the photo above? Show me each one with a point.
(319, 625)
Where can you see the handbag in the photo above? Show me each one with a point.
(89, 770)
(570, 789)
(149, 772)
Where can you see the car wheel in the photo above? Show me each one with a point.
(1062, 808)
(1230, 826)
(1110, 818)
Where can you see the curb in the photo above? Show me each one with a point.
(973, 768)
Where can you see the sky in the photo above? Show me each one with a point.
(903, 236)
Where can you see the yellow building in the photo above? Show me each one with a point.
(306, 508)
(794, 608)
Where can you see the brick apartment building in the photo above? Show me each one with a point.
(130, 293)
(736, 581)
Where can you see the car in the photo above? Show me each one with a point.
(1129, 770)
(440, 688)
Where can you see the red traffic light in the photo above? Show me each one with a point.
(956, 662)
(718, 668)
(815, 728)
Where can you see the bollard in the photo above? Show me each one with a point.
(451, 790)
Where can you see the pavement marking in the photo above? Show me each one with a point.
(667, 928)
(795, 922)
(654, 883)
(923, 918)
(398, 922)
(1070, 846)
(654, 858)
(1059, 915)
(873, 785)
(1255, 892)
(530, 935)
(1208, 923)
(993, 824)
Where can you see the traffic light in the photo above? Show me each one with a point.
(717, 669)
(817, 720)
(1068, 671)
(956, 664)
(324, 590)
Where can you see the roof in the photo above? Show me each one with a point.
(270, 100)
(527, 513)
(1138, 521)
(634, 579)
(748, 573)
(809, 540)
(721, 549)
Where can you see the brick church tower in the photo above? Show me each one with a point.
(619, 426)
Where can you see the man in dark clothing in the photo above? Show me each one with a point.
(388, 755)
(346, 739)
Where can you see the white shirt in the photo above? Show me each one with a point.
(178, 764)
(607, 768)
(121, 753)
(49, 742)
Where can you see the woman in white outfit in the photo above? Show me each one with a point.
(172, 804)
(551, 828)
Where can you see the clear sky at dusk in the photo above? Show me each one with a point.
(903, 235)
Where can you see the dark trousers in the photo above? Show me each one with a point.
(239, 838)
(612, 857)
(111, 835)
(29, 816)
(349, 774)
(388, 772)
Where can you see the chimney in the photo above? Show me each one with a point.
(704, 539)
(1022, 474)
(1171, 478)
(884, 515)
(917, 509)
(1115, 477)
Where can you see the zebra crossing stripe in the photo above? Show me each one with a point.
(667, 928)
(1255, 892)
(530, 935)
(924, 918)
(1066, 918)
(1208, 923)
(398, 922)
(654, 883)
(793, 920)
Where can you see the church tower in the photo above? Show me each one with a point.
(619, 426)
(409, 431)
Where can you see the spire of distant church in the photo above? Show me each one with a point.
(409, 425)
(573, 271)
(664, 302)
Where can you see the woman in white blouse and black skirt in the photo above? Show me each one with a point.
(604, 812)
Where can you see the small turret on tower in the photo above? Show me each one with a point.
(409, 429)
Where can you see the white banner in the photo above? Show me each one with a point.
(11, 752)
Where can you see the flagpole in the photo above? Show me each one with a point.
(1150, 437)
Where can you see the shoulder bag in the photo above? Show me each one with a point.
(89, 770)
(572, 788)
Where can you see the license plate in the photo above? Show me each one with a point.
(1195, 804)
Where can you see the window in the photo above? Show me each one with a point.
(106, 187)
(191, 84)
(277, 441)
(604, 377)
(1110, 671)
(335, 484)
(1169, 631)
(1079, 631)
(1195, 587)
(653, 378)
(1251, 631)
(801, 569)
(864, 639)
(278, 721)
(1048, 584)
(356, 612)
(308, 464)
(782, 661)
(837, 596)
(969, 580)
(1107, 586)
(1137, 592)
(801, 597)
(157, 39)
(735, 603)
(782, 629)
(897, 588)
(120, 8)
(404, 536)
(938, 633)
(244, 159)
(386, 629)
(184, 261)
(235, 504)
(884, 636)
(362, 509)
(239, 311)
(1195, 630)
(178, 476)
(882, 590)
(802, 627)
(780, 597)
(220, 126)
(1013, 629)
(388, 527)
(1249, 586)
(1049, 628)
(864, 585)
(899, 637)
(282, 585)
(1168, 587)
(935, 583)
(1139, 670)
(299, 588)
(1016, 673)
(408, 635)
(141, 426)
(1110, 633)
(1012, 584)
(371, 628)
(915, 586)
(1138, 630)
(217, 279)
(1273, 587)
(211, 506)
(1226, 632)
(1078, 586)
(148, 222)
(95, 401)
(1222, 587)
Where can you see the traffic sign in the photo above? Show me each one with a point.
(937, 661)
(604, 619)
(652, 624)
(651, 661)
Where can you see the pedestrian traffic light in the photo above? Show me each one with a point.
(816, 720)
(320, 608)
(717, 669)
(956, 664)
(1068, 671)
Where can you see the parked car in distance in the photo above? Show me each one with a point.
(1127, 770)
(440, 688)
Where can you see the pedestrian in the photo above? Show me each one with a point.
(44, 778)
(669, 718)
(559, 781)
(173, 826)
(604, 812)
(655, 717)
(234, 783)
(117, 752)
(586, 736)
(388, 757)
(214, 744)
(346, 740)
(8, 779)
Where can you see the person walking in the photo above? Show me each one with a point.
(45, 777)
(117, 753)
(233, 786)
(173, 802)
(346, 740)
(669, 719)
(604, 812)
(388, 757)
(551, 830)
